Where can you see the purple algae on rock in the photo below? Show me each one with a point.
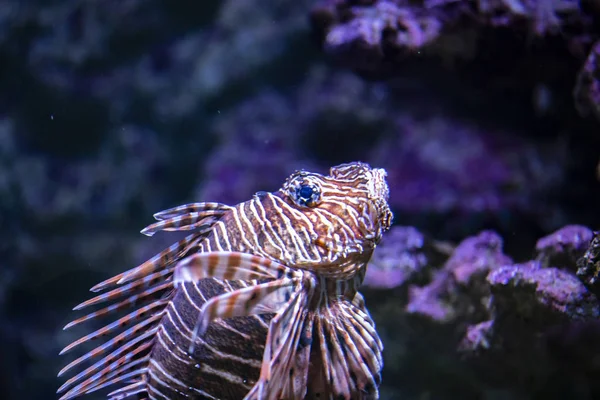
(527, 304)
(531, 291)
(402, 257)
(477, 256)
(564, 247)
(375, 36)
(588, 266)
(587, 90)
(452, 292)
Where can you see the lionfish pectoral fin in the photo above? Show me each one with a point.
(253, 394)
(351, 351)
(298, 377)
(110, 370)
(263, 298)
(362, 319)
(363, 361)
(285, 368)
(359, 301)
(234, 266)
(334, 361)
(229, 266)
(279, 357)
(124, 358)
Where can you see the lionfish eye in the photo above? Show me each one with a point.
(307, 195)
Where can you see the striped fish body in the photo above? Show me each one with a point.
(225, 362)
(275, 281)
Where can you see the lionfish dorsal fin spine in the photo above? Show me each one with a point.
(183, 223)
(145, 325)
(190, 208)
(156, 263)
(114, 326)
(110, 371)
(127, 391)
(164, 259)
(131, 287)
(152, 293)
(149, 282)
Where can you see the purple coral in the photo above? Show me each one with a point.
(545, 16)
(477, 336)
(401, 257)
(587, 91)
(477, 255)
(563, 247)
(461, 279)
(501, 311)
(382, 23)
(432, 300)
(588, 266)
(376, 36)
(527, 303)
(528, 288)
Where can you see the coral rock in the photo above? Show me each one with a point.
(531, 291)
(587, 91)
(563, 247)
(589, 264)
(402, 257)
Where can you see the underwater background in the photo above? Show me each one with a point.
(485, 113)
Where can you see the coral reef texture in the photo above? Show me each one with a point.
(485, 113)
(376, 36)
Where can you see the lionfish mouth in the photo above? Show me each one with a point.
(378, 187)
(379, 193)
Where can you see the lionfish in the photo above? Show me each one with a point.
(261, 301)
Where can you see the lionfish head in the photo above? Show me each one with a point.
(348, 209)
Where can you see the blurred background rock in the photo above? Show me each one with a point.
(483, 113)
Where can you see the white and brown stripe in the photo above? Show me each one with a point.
(259, 302)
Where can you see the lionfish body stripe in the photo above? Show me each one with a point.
(259, 302)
